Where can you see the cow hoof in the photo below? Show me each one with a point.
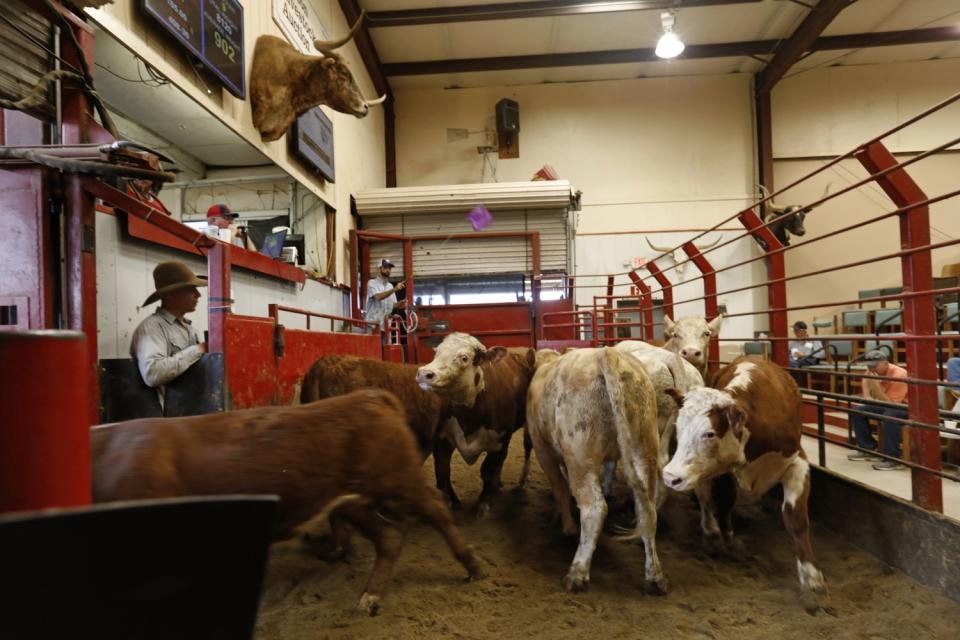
(811, 602)
(659, 587)
(482, 510)
(575, 583)
(453, 502)
(369, 604)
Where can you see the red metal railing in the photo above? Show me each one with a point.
(273, 310)
(920, 338)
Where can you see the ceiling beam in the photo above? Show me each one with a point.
(515, 10)
(368, 52)
(693, 51)
(802, 39)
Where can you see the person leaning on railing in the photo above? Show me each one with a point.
(804, 351)
(884, 391)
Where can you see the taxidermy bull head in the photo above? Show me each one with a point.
(285, 83)
(786, 220)
(679, 256)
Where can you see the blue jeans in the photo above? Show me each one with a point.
(953, 370)
(890, 431)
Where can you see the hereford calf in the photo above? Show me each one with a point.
(586, 408)
(748, 426)
(488, 390)
(308, 455)
(429, 416)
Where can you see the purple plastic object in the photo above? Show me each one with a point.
(480, 218)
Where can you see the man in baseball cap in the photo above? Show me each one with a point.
(166, 343)
(382, 294)
(220, 216)
(884, 390)
(804, 351)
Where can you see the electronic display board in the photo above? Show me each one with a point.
(212, 30)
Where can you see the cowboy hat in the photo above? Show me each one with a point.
(171, 276)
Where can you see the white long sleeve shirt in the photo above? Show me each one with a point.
(163, 348)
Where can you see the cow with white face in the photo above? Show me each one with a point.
(748, 426)
(690, 337)
(488, 390)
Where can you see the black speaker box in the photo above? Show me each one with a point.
(508, 116)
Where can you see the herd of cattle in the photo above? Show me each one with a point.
(350, 453)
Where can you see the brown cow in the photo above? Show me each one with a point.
(308, 455)
(429, 416)
(285, 83)
(488, 389)
(750, 426)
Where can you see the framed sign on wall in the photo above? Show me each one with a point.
(311, 140)
(212, 30)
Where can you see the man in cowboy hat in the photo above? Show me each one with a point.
(165, 344)
(381, 294)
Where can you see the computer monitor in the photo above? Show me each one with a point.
(273, 244)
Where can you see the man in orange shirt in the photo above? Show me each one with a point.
(884, 391)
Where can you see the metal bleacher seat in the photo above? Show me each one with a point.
(855, 321)
(822, 323)
(887, 346)
(863, 294)
(886, 320)
(757, 348)
(837, 351)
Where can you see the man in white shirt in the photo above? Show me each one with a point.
(165, 344)
(804, 351)
(220, 216)
(381, 294)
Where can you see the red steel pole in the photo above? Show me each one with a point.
(44, 444)
(219, 302)
(665, 285)
(710, 306)
(776, 289)
(918, 319)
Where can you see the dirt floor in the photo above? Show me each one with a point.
(753, 594)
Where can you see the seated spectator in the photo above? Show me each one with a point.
(885, 391)
(804, 351)
(220, 216)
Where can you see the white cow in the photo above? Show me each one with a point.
(586, 408)
(690, 337)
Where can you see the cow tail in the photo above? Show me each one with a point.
(615, 375)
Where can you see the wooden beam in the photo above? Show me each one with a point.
(801, 41)
(693, 51)
(516, 10)
(371, 60)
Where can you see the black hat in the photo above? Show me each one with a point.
(385, 262)
(874, 356)
(799, 324)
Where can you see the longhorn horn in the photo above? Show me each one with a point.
(656, 248)
(326, 46)
(379, 100)
(763, 190)
(708, 246)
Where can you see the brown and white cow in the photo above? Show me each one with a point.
(748, 426)
(429, 416)
(308, 455)
(584, 409)
(690, 337)
(285, 83)
(488, 389)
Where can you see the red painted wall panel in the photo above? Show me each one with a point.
(508, 325)
(302, 348)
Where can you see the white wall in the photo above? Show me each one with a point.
(654, 155)
(824, 113)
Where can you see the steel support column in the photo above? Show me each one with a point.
(919, 318)
(646, 304)
(710, 307)
(219, 301)
(665, 284)
(81, 280)
(776, 289)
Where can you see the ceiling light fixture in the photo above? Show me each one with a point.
(669, 45)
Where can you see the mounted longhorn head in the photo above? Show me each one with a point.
(787, 220)
(679, 256)
(285, 83)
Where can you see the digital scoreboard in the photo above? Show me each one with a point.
(212, 30)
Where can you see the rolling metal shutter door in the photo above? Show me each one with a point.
(22, 59)
(473, 256)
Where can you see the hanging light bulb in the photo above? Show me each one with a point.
(669, 45)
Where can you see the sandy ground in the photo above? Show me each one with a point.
(753, 594)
